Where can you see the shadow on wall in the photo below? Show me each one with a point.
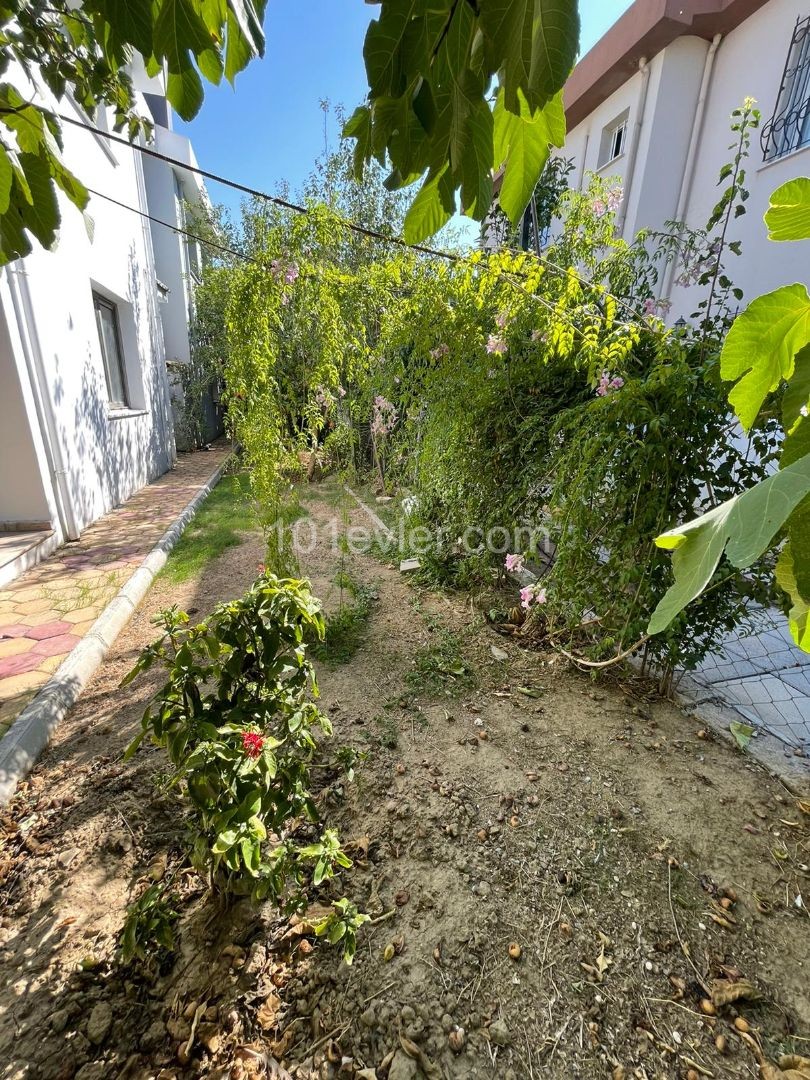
(109, 456)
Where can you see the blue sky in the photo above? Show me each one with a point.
(270, 128)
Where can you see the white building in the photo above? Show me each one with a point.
(85, 333)
(651, 103)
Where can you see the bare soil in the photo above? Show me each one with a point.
(561, 869)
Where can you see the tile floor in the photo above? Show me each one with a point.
(47, 610)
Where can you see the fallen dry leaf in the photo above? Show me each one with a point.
(791, 1067)
(724, 992)
(268, 1011)
(420, 1057)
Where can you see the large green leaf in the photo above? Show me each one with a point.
(799, 614)
(130, 23)
(522, 145)
(533, 43)
(796, 402)
(788, 215)
(743, 528)
(6, 177)
(761, 346)
(185, 91)
(386, 39)
(432, 208)
(179, 27)
(440, 58)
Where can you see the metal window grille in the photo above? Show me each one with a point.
(789, 127)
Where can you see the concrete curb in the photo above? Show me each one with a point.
(31, 732)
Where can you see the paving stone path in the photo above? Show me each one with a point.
(47, 610)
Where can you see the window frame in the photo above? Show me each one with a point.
(788, 129)
(617, 128)
(101, 301)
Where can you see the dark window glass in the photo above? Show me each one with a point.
(109, 335)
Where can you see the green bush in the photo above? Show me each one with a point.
(238, 726)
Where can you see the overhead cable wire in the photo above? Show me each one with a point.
(299, 209)
(256, 192)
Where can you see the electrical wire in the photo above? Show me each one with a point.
(255, 192)
(298, 209)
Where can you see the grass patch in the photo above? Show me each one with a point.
(219, 524)
(387, 731)
(346, 628)
(440, 667)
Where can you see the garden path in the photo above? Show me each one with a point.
(47, 610)
(554, 866)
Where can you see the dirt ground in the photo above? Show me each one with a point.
(559, 871)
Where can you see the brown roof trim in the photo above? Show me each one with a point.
(646, 28)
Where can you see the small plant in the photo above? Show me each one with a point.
(340, 927)
(236, 722)
(346, 628)
(150, 920)
(389, 736)
(348, 758)
(440, 667)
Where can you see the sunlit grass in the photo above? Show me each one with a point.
(221, 523)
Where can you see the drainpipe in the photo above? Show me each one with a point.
(581, 177)
(17, 277)
(644, 68)
(688, 177)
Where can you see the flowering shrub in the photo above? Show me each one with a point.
(236, 721)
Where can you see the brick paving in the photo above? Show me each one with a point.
(47, 610)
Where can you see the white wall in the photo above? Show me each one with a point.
(107, 455)
(748, 62)
(23, 499)
(171, 247)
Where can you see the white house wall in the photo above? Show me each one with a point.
(106, 455)
(169, 246)
(749, 62)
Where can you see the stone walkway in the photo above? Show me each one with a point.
(45, 612)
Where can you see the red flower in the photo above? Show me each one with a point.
(252, 744)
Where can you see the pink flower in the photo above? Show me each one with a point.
(501, 320)
(608, 383)
(526, 597)
(252, 744)
(614, 198)
(291, 273)
(599, 206)
(385, 416)
(496, 344)
(514, 562)
(341, 391)
(439, 351)
(649, 306)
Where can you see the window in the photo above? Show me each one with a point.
(614, 137)
(192, 252)
(109, 335)
(789, 127)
